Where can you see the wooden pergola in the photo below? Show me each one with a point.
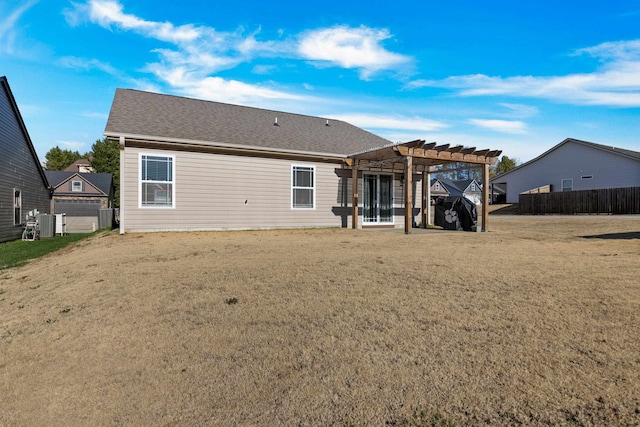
(420, 157)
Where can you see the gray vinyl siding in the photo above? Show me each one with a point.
(19, 168)
(218, 192)
(573, 161)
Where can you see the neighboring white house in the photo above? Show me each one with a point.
(572, 165)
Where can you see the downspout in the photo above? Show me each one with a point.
(122, 175)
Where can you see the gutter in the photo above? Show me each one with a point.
(135, 140)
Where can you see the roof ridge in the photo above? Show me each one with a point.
(161, 116)
(233, 105)
(611, 148)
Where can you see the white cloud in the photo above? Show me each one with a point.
(110, 12)
(520, 110)
(391, 122)
(196, 53)
(264, 69)
(217, 88)
(627, 50)
(86, 64)
(616, 83)
(503, 126)
(234, 91)
(94, 115)
(198, 47)
(8, 26)
(74, 145)
(346, 47)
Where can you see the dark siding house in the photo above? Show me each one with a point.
(23, 184)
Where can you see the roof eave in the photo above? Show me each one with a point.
(248, 149)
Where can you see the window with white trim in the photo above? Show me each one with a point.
(567, 184)
(303, 184)
(76, 185)
(157, 181)
(473, 186)
(17, 207)
(437, 186)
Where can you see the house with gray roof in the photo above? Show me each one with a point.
(23, 185)
(571, 165)
(189, 164)
(438, 190)
(80, 196)
(469, 188)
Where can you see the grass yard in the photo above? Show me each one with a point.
(18, 252)
(535, 322)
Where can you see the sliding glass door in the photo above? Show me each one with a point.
(378, 199)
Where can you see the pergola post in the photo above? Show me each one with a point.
(428, 180)
(408, 194)
(425, 191)
(485, 197)
(354, 196)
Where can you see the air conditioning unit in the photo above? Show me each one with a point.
(47, 225)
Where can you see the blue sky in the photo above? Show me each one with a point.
(516, 76)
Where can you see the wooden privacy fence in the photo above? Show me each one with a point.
(603, 201)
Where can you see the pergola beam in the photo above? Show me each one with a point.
(447, 155)
(384, 162)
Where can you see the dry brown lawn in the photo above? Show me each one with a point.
(535, 322)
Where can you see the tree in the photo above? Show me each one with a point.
(458, 171)
(105, 157)
(505, 165)
(58, 159)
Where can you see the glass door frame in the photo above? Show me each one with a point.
(378, 217)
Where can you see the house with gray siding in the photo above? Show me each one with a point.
(23, 184)
(80, 196)
(438, 189)
(188, 164)
(572, 165)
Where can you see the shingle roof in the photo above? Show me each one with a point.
(611, 149)
(166, 118)
(102, 181)
(457, 187)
